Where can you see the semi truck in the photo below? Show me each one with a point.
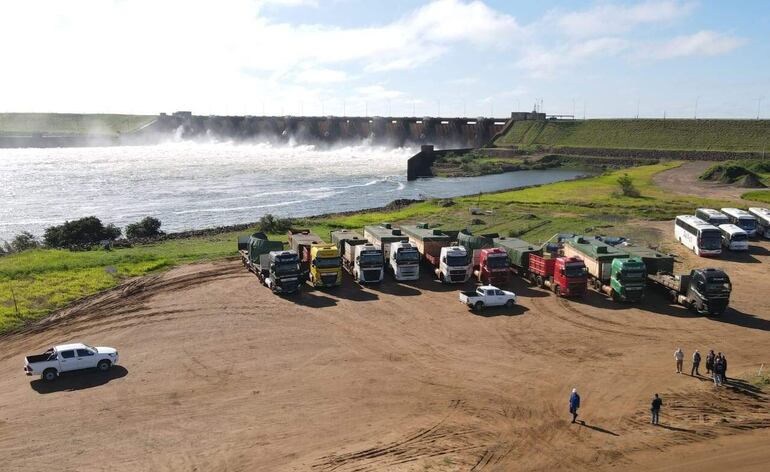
(275, 268)
(320, 261)
(706, 291)
(518, 253)
(490, 264)
(763, 220)
(402, 258)
(451, 264)
(360, 258)
(565, 276)
(610, 270)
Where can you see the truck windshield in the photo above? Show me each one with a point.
(454, 261)
(575, 270)
(286, 268)
(633, 274)
(749, 224)
(710, 239)
(498, 262)
(327, 262)
(407, 256)
(718, 287)
(369, 260)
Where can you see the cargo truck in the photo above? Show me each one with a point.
(320, 261)
(610, 270)
(565, 276)
(360, 258)
(518, 253)
(451, 264)
(402, 258)
(706, 291)
(277, 269)
(763, 220)
(490, 264)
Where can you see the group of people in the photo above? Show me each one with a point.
(716, 365)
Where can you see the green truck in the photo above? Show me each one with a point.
(611, 270)
(518, 253)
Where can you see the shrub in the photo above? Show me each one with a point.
(24, 241)
(627, 187)
(270, 224)
(146, 228)
(81, 233)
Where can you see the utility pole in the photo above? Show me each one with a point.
(344, 108)
(637, 108)
(759, 106)
(13, 295)
(696, 106)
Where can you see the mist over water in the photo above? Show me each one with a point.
(193, 186)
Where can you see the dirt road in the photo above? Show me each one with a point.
(684, 180)
(218, 374)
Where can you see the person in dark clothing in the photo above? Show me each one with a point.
(724, 368)
(695, 363)
(655, 409)
(574, 404)
(718, 371)
(710, 362)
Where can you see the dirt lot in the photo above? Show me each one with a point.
(684, 181)
(218, 374)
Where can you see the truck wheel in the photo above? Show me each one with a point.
(615, 297)
(49, 375)
(509, 304)
(478, 306)
(104, 365)
(557, 290)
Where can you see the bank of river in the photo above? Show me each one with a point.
(194, 186)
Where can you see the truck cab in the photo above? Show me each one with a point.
(570, 276)
(493, 266)
(325, 265)
(369, 263)
(628, 279)
(283, 271)
(455, 265)
(404, 261)
(709, 291)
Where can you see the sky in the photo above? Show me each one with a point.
(598, 59)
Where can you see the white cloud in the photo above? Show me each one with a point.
(702, 43)
(377, 92)
(320, 76)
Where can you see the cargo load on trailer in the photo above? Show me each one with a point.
(451, 264)
(490, 263)
(518, 253)
(363, 260)
(277, 269)
(402, 258)
(320, 261)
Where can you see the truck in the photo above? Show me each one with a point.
(487, 295)
(518, 253)
(490, 264)
(611, 270)
(362, 260)
(705, 291)
(565, 276)
(763, 220)
(70, 357)
(320, 261)
(402, 258)
(276, 269)
(451, 264)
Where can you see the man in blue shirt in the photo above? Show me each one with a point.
(574, 404)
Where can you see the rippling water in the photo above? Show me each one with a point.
(191, 186)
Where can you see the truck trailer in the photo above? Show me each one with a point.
(706, 291)
(402, 258)
(320, 261)
(610, 270)
(451, 264)
(275, 268)
(363, 260)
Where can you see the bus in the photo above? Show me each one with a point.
(697, 235)
(763, 220)
(734, 238)
(711, 216)
(743, 219)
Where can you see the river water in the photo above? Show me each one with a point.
(193, 186)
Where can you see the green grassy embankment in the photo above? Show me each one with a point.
(70, 123)
(44, 280)
(757, 196)
(679, 135)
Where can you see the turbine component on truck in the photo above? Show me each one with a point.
(706, 291)
(320, 261)
(363, 260)
(490, 263)
(277, 269)
(611, 270)
(451, 264)
(401, 257)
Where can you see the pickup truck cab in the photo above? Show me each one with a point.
(69, 357)
(488, 295)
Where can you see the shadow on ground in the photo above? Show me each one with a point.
(79, 380)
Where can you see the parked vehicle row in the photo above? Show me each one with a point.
(710, 230)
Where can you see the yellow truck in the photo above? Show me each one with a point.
(320, 261)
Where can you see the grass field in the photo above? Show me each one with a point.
(757, 196)
(702, 135)
(70, 123)
(44, 280)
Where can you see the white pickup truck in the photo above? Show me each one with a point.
(69, 357)
(488, 295)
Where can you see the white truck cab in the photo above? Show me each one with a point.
(69, 357)
(404, 261)
(368, 266)
(455, 265)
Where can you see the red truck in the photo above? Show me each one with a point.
(566, 276)
(492, 268)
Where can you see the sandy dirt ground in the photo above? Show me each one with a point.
(219, 374)
(684, 180)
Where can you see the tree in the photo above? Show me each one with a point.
(146, 228)
(270, 224)
(627, 186)
(81, 233)
(24, 241)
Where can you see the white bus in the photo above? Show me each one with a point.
(734, 238)
(702, 238)
(743, 219)
(711, 216)
(763, 220)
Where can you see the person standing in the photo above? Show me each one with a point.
(724, 368)
(710, 362)
(695, 363)
(655, 409)
(679, 356)
(574, 404)
(718, 371)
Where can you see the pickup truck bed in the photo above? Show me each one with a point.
(40, 357)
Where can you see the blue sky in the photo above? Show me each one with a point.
(448, 57)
